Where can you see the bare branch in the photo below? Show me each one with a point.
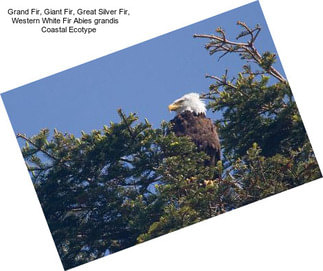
(247, 50)
(221, 81)
(126, 122)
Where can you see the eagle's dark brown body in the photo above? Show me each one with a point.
(202, 132)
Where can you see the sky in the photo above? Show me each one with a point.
(144, 78)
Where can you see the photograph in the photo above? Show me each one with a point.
(161, 135)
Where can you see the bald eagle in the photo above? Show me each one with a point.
(191, 120)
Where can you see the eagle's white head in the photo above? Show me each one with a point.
(189, 102)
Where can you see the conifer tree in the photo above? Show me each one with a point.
(128, 182)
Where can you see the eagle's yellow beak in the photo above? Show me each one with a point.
(173, 107)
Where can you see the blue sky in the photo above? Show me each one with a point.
(143, 78)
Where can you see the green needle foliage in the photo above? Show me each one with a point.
(129, 182)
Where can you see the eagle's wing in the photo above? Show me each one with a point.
(201, 130)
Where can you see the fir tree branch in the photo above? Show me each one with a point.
(19, 135)
(219, 43)
(39, 148)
